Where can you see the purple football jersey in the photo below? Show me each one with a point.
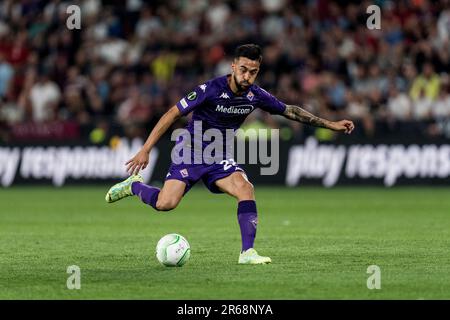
(216, 106)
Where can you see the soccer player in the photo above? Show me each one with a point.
(221, 103)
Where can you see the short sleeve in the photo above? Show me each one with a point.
(270, 104)
(193, 99)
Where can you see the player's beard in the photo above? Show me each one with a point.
(239, 86)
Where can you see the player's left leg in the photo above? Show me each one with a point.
(179, 181)
(238, 186)
(164, 199)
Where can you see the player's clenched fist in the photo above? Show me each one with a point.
(344, 125)
(138, 162)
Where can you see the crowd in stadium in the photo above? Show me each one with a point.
(131, 60)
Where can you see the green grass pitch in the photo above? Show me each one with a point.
(321, 242)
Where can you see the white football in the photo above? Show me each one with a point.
(173, 250)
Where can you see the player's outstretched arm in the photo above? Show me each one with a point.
(301, 115)
(140, 160)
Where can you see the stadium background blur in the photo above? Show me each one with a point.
(132, 60)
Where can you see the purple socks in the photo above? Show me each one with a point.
(248, 219)
(146, 193)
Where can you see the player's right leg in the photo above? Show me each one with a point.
(238, 186)
(164, 199)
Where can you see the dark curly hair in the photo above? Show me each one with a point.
(250, 51)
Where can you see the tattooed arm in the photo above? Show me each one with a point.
(301, 115)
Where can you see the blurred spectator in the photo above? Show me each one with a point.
(335, 91)
(44, 96)
(441, 108)
(358, 110)
(74, 106)
(399, 105)
(136, 109)
(6, 74)
(217, 15)
(112, 50)
(163, 66)
(427, 83)
(149, 25)
(19, 51)
(422, 106)
(443, 25)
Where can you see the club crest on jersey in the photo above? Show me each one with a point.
(250, 95)
(184, 173)
(224, 95)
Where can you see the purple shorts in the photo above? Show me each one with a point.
(209, 173)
